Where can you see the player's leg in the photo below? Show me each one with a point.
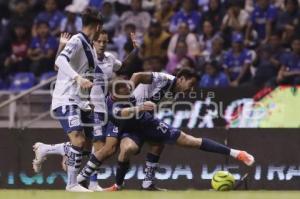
(152, 159)
(209, 145)
(97, 158)
(128, 148)
(42, 150)
(93, 185)
(70, 120)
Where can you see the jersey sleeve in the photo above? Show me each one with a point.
(71, 48)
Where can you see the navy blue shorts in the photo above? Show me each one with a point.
(155, 131)
(71, 118)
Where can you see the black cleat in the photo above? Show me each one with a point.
(152, 187)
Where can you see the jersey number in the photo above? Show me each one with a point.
(162, 127)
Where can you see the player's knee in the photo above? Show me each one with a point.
(97, 145)
(130, 149)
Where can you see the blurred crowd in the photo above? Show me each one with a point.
(229, 43)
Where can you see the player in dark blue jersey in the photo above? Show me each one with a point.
(136, 125)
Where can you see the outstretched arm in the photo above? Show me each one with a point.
(131, 111)
(134, 51)
(141, 78)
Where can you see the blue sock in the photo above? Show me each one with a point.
(93, 177)
(151, 167)
(122, 169)
(215, 147)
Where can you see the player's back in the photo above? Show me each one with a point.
(161, 84)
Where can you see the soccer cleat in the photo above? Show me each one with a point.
(81, 178)
(96, 188)
(246, 158)
(115, 187)
(77, 188)
(152, 187)
(40, 156)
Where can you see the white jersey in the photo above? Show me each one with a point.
(103, 73)
(81, 56)
(161, 84)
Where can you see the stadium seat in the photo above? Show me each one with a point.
(45, 76)
(22, 81)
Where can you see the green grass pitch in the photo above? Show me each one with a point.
(191, 194)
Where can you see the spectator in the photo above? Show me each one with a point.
(269, 59)
(4, 36)
(289, 18)
(136, 16)
(213, 76)
(261, 20)
(214, 14)
(123, 38)
(187, 14)
(52, 15)
(110, 18)
(17, 61)
(183, 34)
(165, 14)
(235, 19)
(21, 13)
(237, 61)
(216, 54)
(153, 64)
(289, 72)
(42, 49)
(156, 42)
(71, 23)
(205, 39)
(174, 60)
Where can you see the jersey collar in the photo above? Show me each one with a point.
(86, 38)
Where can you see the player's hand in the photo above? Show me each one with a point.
(134, 40)
(64, 37)
(147, 106)
(83, 83)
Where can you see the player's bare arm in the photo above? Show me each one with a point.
(131, 111)
(141, 78)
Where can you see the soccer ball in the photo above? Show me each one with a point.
(222, 181)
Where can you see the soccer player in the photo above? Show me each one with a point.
(106, 65)
(160, 85)
(69, 102)
(136, 125)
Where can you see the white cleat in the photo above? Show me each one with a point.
(40, 156)
(96, 188)
(77, 188)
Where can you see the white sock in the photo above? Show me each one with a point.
(72, 175)
(234, 153)
(57, 149)
(74, 158)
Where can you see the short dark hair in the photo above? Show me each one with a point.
(116, 84)
(98, 33)
(42, 22)
(91, 16)
(186, 72)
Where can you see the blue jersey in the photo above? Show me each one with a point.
(235, 63)
(192, 19)
(259, 18)
(219, 80)
(291, 61)
(49, 44)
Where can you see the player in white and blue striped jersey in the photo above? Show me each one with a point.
(70, 97)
